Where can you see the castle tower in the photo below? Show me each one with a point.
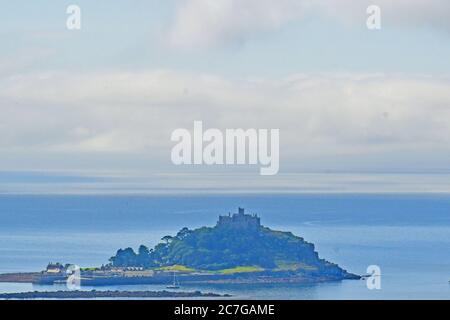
(240, 220)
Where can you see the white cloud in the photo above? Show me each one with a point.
(205, 23)
(319, 115)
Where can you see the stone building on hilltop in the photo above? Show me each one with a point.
(240, 220)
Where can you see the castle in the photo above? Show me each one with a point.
(240, 220)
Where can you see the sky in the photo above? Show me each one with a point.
(103, 100)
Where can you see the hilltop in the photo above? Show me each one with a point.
(238, 243)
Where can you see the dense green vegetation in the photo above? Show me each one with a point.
(227, 250)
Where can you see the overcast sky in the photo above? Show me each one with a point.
(106, 98)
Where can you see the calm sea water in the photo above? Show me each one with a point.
(407, 236)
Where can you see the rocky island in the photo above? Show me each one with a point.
(238, 249)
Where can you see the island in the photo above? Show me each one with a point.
(238, 249)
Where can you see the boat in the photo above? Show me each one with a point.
(175, 283)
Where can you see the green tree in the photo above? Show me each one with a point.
(167, 239)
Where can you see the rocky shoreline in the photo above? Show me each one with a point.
(20, 277)
(265, 277)
(94, 294)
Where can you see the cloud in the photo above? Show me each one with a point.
(375, 116)
(204, 23)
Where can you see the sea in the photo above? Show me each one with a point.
(407, 236)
